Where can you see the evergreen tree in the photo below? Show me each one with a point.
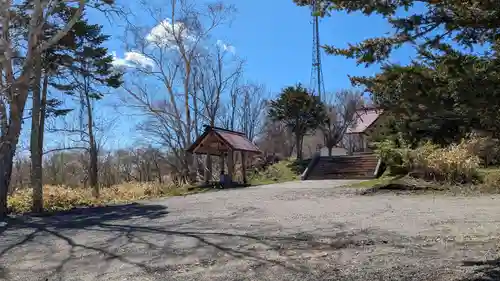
(91, 70)
(45, 72)
(444, 92)
(299, 110)
(25, 45)
(50, 70)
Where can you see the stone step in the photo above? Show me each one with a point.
(343, 167)
(337, 167)
(340, 176)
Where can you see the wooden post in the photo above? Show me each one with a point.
(244, 166)
(208, 169)
(230, 167)
(222, 164)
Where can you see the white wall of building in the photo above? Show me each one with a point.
(336, 151)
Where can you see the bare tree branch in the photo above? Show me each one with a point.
(341, 111)
(168, 75)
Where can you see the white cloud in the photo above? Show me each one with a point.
(118, 62)
(133, 59)
(226, 47)
(169, 35)
(166, 34)
(139, 59)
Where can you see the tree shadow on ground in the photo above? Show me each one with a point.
(112, 233)
(48, 225)
(86, 215)
(217, 186)
(487, 270)
(82, 217)
(3, 273)
(144, 236)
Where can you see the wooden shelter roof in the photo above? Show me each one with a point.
(217, 141)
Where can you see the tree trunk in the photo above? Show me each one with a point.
(8, 144)
(158, 171)
(18, 91)
(7, 151)
(330, 151)
(298, 145)
(191, 175)
(93, 169)
(43, 113)
(60, 167)
(35, 148)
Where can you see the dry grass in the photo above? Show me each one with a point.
(59, 198)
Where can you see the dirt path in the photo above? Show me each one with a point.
(294, 231)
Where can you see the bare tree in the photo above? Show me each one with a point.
(164, 61)
(228, 117)
(217, 75)
(75, 135)
(252, 109)
(217, 72)
(20, 173)
(341, 110)
(276, 139)
(65, 168)
(70, 167)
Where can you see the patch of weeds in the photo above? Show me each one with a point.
(276, 173)
(403, 184)
(490, 180)
(374, 182)
(488, 183)
(298, 166)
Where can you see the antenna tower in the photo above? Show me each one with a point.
(317, 85)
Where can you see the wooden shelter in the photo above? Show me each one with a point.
(224, 143)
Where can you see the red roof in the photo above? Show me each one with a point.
(365, 118)
(235, 140)
(238, 141)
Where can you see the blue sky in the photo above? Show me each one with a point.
(274, 38)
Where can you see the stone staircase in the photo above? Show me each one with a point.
(360, 166)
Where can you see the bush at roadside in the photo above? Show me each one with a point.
(394, 156)
(486, 148)
(452, 164)
(282, 171)
(491, 181)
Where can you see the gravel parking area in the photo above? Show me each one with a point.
(294, 231)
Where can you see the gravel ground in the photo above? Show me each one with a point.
(294, 231)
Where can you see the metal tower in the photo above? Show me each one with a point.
(317, 85)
